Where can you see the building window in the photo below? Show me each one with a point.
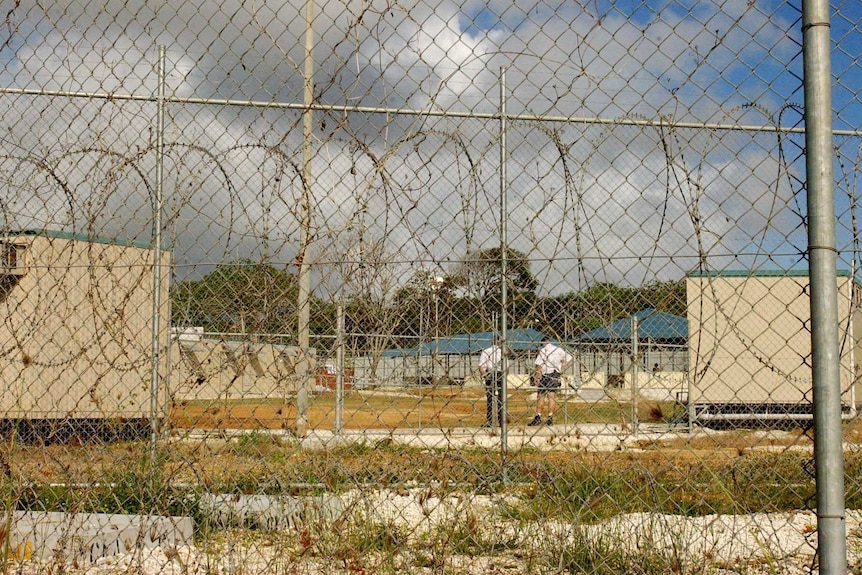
(12, 258)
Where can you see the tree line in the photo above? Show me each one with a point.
(247, 297)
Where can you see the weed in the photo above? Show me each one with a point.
(255, 444)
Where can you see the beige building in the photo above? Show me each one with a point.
(76, 341)
(750, 344)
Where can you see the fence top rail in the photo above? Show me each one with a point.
(661, 122)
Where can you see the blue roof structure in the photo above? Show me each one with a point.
(652, 325)
(471, 343)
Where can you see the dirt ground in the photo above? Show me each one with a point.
(445, 407)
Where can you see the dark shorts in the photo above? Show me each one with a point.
(549, 383)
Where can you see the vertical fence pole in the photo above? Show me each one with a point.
(828, 454)
(157, 254)
(420, 368)
(504, 253)
(442, 361)
(303, 304)
(635, 375)
(339, 370)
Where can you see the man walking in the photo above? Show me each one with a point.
(551, 362)
(491, 370)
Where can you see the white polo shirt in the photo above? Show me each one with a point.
(551, 358)
(491, 358)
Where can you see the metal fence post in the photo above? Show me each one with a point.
(635, 374)
(157, 255)
(829, 458)
(504, 344)
(304, 277)
(339, 370)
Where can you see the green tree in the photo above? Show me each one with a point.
(423, 304)
(481, 274)
(570, 314)
(480, 278)
(668, 296)
(243, 296)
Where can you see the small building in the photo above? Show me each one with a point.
(455, 358)
(654, 363)
(750, 345)
(77, 337)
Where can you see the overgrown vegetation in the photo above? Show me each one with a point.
(471, 544)
(573, 485)
(543, 500)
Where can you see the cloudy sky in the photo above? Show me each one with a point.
(623, 191)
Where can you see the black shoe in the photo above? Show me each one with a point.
(537, 420)
(550, 421)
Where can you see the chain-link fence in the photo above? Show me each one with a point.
(474, 287)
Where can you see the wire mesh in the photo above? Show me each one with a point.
(252, 254)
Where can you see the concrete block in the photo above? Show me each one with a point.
(81, 538)
(269, 512)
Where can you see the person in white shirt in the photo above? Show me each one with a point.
(491, 370)
(551, 362)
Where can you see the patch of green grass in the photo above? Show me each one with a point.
(470, 535)
(561, 484)
(255, 444)
(605, 557)
(592, 491)
(137, 488)
(375, 537)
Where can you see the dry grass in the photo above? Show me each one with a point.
(443, 407)
(255, 460)
(407, 408)
(853, 431)
(705, 472)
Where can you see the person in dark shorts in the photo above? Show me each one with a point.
(551, 362)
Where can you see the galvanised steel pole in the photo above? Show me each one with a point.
(157, 254)
(339, 370)
(504, 252)
(635, 374)
(828, 454)
(303, 304)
